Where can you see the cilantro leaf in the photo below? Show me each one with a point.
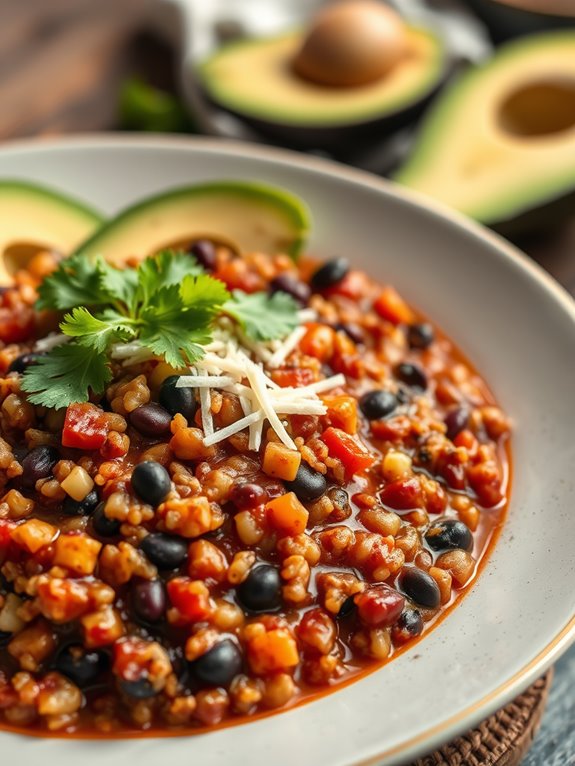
(66, 375)
(203, 292)
(76, 282)
(164, 269)
(96, 331)
(171, 330)
(262, 316)
(121, 284)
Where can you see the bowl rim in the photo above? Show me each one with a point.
(511, 687)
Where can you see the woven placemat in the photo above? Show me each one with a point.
(501, 740)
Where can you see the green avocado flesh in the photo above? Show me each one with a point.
(500, 143)
(247, 216)
(254, 78)
(34, 218)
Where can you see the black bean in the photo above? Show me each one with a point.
(5, 637)
(219, 665)
(409, 625)
(352, 330)
(449, 534)
(83, 507)
(261, 591)
(340, 499)
(82, 666)
(38, 464)
(151, 482)
(151, 420)
(102, 525)
(149, 600)
(164, 551)
(411, 375)
(378, 404)
(24, 361)
(286, 283)
(456, 421)
(330, 274)
(247, 495)
(140, 689)
(177, 400)
(347, 608)
(308, 484)
(420, 336)
(420, 587)
(204, 251)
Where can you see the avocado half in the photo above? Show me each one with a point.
(499, 144)
(254, 80)
(245, 216)
(506, 18)
(34, 218)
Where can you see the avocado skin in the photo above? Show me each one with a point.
(334, 138)
(506, 22)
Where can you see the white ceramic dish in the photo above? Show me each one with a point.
(518, 327)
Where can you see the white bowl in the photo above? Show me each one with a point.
(518, 327)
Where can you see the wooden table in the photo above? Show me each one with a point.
(61, 65)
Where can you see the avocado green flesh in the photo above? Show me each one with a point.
(254, 78)
(34, 218)
(472, 152)
(248, 216)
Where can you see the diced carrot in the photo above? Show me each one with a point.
(286, 514)
(33, 534)
(341, 412)
(391, 306)
(352, 454)
(280, 461)
(272, 651)
(318, 341)
(187, 444)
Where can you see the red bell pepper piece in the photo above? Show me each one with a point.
(85, 427)
(352, 454)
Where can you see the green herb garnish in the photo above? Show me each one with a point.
(168, 304)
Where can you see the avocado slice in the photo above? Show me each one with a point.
(499, 144)
(245, 216)
(35, 218)
(253, 79)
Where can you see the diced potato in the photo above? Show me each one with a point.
(102, 628)
(77, 552)
(34, 534)
(287, 514)
(77, 484)
(32, 645)
(280, 461)
(188, 444)
(9, 620)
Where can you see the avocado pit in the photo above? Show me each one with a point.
(539, 109)
(350, 44)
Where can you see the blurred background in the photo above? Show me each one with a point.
(471, 102)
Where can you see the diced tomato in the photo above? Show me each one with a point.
(402, 494)
(391, 306)
(379, 605)
(6, 528)
(341, 412)
(353, 285)
(296, 377)
(84, 427)
(237, 275)
(352, 454)
(191, 598)
(16, 325)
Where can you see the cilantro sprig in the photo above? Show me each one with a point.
(168, 304)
